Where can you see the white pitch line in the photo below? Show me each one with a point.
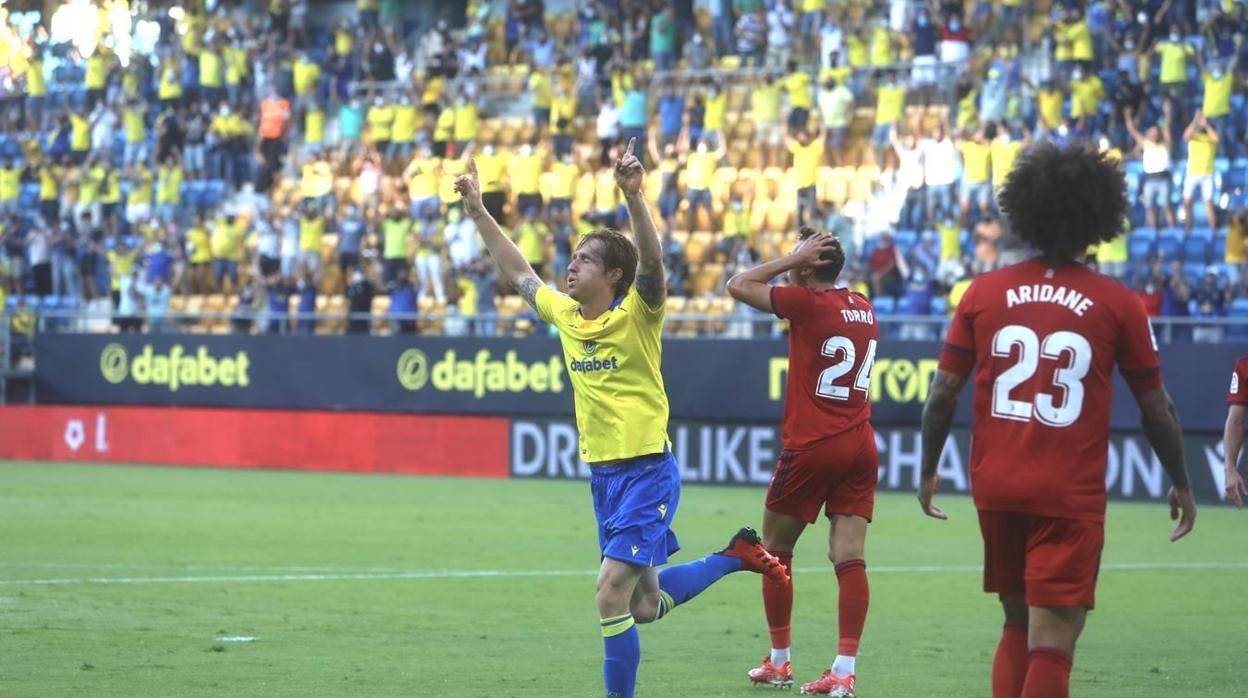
(506, 574)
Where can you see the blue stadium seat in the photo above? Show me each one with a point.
(1168, 246)
(1203, 232)
(1239, 308)
(1219, 247)
(884, 305)
(1194, 271)
(214, 193)
(69, 302)
(939, 306)
(50, 302)
(1196, 249)
(10, 303)
(29, 198)
(1140, 243)
(1235, 179)
(1221, 165)
(905, 240)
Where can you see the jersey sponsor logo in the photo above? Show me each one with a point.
(892, 379)
(177, 368)
(593, 365)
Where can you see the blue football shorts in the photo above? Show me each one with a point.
(635, 502)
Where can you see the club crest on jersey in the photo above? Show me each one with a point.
(590, 347)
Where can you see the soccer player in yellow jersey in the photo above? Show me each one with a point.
(610, 323)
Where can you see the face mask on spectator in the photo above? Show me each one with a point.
(922, 20)
(954, 25)
(701, 147)
(1174, 36)
(357, 277)
(1129, 45)
(1077, 75)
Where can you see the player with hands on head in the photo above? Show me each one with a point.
(829, 461)
(1042, 338)
(610, 324)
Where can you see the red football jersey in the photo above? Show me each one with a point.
(832, 340)
(1238, 394)
(1043, 342)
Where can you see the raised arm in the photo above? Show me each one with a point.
(751, 287)
(1194, 125)
(1128, 118)
(1232, 443)
(1160, 421)
(511, 264)
(629, 176)
(942, 403)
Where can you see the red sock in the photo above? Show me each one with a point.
(1009, 667)
(778, 603)
(1048, 673)
(855, 596)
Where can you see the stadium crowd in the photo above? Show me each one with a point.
(258, 162)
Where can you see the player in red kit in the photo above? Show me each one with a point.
(1041, 339)
(1233, 433)
(829, 461)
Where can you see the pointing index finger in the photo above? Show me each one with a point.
(631, 142)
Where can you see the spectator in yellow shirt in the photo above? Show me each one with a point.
(1074, 41)
(562, 112)
(700, 168)
(403, 133)
(1202, 147)
(797, 86)
(380, 119)
(541, 95)
(768, 128)
(524, 174)
(976, 174)
(96, 78)
(443, 130)
(1219, 82)
(464, 121)
(1087, 94)
(890, 107)
(559, 183)
(421, 177)
(807, 150)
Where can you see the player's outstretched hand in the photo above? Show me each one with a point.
(1236, 488)
(628, 170)
(809, 253)
(469, 187)
(927, 489)
(1182, 509)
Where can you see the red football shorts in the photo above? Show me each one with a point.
(1052, 562)
(838, 474)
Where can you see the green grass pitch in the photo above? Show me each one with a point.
(348, 585)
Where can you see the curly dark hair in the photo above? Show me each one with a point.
(836, 255)
(1063, 200)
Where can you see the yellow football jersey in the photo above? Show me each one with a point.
(613, 362)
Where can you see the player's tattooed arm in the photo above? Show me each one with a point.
(527, 287)
(942, 403)
(651, 284)
(1160, 420)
